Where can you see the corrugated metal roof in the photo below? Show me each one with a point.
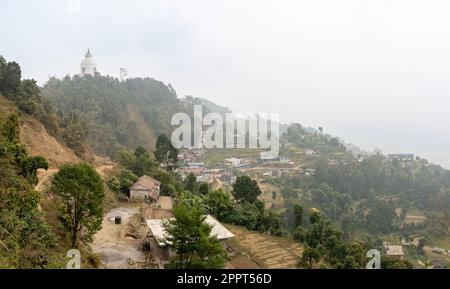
(146, 182)
(157, 228)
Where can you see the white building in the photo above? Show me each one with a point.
(401, 157)
(196, 165)
(158, 231)
(205, 178)
(396, 251)
(284, 160)
(233, 162)
(88, 66)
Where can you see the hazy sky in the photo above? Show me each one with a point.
(376, 73)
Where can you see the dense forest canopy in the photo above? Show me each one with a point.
(68, 128)
(118, 113)
(368, 194)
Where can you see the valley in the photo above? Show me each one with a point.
(318, 204)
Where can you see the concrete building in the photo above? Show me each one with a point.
(233, 162)
(197, 165)
(401, 157)
(396, 251)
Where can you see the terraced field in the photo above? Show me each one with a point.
(267, 251)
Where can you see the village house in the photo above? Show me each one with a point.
(267, 159)
(158, 232)
(362, 157)
(283, 160)
(196, 165)
(228, 178)
(333, 163)
(190, 155)
(215, 171)
(205, 178)
(310, 153)
(233, 162)
(145, 188)
(401, 157)
(396, 251)
(272, 173)
(188, 170)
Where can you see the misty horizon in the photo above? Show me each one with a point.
(373, 74)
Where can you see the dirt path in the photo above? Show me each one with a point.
(44, 176)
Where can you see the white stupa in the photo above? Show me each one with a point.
(88, 65)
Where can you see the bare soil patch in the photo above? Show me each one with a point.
(119, 246)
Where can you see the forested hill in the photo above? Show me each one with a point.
(117, 113)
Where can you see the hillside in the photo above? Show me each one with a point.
(36, 138)
(364, 197)
(117, 113)
(207, 104)
(38, 142)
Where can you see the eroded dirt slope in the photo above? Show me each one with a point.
(39, 143)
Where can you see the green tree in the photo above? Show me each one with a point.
(309, 257)
(190, 238)
(246, 214)
(315, 216)
(220, 204)
(391, 262)
(203, 189)
(298, 215)
(12, 79)
(166, 154)
(270, 224)
(30, 165)
(142, 163)
(11, 129)
(3, 64)
(75, 134)
(190, 183)
(299, 234)
(25, 237)
(167, 190)
(246, 190)
(170, 184)
(80, 191)
(422, 243)
(122, 182)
